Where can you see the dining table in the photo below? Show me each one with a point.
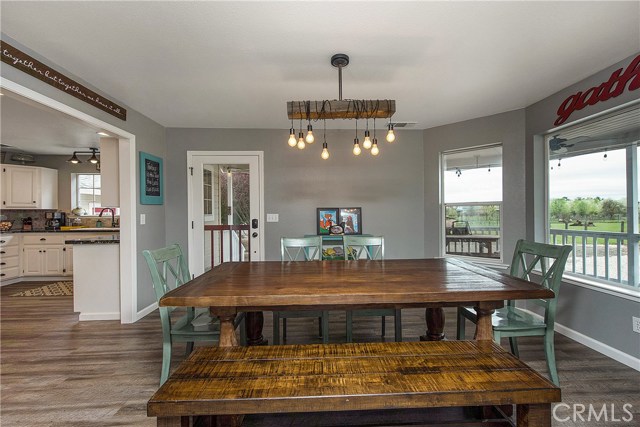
(432, 283)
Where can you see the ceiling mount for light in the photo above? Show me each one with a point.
(340, 109)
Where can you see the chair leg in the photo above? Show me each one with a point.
(397, 323)
(166, 361)
(513, 343)
(320, 326)
(284, 329)
(276, 328)
(324, 327)
(461, 325)
(189, 348)
(549, 352)
(349, 326)
(384, 326)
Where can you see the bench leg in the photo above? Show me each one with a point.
(538, 415)
(173, 422)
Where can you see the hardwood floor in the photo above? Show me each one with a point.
(57, 371)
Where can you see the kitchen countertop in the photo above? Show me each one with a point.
(95, 241)
(77, 230)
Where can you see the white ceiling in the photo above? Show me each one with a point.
(235, 64)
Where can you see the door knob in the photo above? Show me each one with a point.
(254, 234)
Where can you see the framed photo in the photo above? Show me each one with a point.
(151, 180)
(351, 220)
(325, 219)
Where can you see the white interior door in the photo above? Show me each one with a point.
(214, 201)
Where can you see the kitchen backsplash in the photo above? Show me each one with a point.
(38, 218)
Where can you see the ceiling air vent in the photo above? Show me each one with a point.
(404, 124)
(23, 158)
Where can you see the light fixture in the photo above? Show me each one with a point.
(458, 172)
(103, 133)
(93, 159)
(356, 142)
(391, 136)
(325, 149)
(605, 155)
(292, 136)
(341, 109)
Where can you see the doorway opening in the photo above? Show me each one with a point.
(226, 208)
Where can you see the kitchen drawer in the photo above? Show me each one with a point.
(9, 273)
(9, 262)
(43, 239)
(9, 240)
(7, 251)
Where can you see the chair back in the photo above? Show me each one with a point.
(301, 248)
(548, 261)
(372, 247)
(168, 270)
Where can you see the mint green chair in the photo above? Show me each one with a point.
(293, 249)
(371, 248)
(168, 271)
(513, 322)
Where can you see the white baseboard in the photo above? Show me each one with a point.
(140, 314)
(99, 316)
(37, 279)
(607, 350)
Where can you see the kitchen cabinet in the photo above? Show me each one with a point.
(43, 254)
(9, 256)
(109, 172)
(30, 187)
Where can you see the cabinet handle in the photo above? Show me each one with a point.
(33, 201)
(3, 263)
(42, 239)
(2, 274)
(2, 252)
(3, 241)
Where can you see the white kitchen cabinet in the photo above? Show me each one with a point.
(9, 256)
(68, 260)
(43, 254)
(29, 187)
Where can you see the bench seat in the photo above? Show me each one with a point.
(351, 377)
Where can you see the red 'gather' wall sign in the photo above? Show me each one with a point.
(613, 87)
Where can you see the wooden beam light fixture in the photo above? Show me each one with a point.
(358, 109)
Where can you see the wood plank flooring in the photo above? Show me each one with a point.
(57, 371)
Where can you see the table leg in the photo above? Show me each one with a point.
(484, 330)
(533, 415)
(434, 317)
(254, 323)
(173, 422)
(228, 337)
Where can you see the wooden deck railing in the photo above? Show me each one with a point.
(236, 234)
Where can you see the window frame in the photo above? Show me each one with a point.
(632, 235)
(443, 207)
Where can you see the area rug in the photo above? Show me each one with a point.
(57, 289)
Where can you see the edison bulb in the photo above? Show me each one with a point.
(301, 143)
(391, 136)
(325, 153)
(292, 138)
(356, 147)
(366, 144)
(310, 138)
(374, 149)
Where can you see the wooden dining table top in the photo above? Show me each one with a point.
(275, 285)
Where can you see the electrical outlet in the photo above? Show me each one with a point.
(636, 324)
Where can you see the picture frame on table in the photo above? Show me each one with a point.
(351, 220)
(325, 219)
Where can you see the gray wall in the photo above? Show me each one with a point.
(506, 128)
(603, 317)
(389, 188)
(150, 137)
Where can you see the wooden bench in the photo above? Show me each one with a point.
(220, 381)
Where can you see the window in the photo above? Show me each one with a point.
(593, 196)
(85, 193)
(472, 195)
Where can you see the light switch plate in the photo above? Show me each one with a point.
(143, 219)
(272, 217)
